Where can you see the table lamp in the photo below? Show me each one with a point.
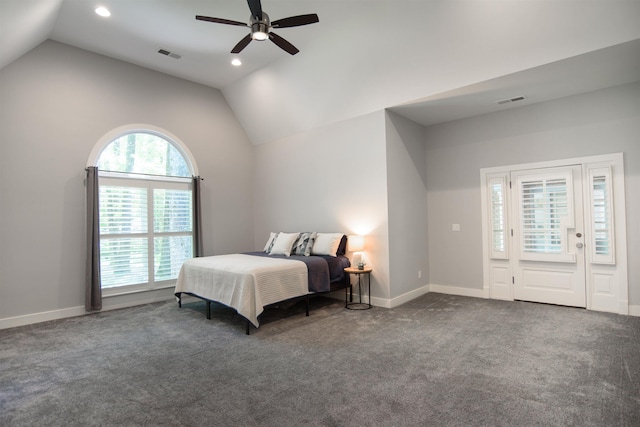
(356, 245)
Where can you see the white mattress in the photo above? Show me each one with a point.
(244, 282)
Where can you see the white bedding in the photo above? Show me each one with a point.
(244, 282)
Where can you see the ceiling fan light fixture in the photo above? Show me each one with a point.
(260, 26)
(259, 31)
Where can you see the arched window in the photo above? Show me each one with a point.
(146, 210)
(144, 153)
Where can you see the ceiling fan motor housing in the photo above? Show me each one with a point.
(260, 27)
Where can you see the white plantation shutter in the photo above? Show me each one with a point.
(146, 230)
(123, 240)
(544, 206)
(496, 189)
(173, 227)
(600, 215)
(545, 214)
(602, 227)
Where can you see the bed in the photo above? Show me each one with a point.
(252, 281)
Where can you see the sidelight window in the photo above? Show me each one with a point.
(601, 216)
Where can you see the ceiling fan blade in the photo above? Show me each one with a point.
(256, 8)
(221, 21)
(242, 44)
(295, 21)
(283, 44)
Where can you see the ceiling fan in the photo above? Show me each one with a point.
(261, 27)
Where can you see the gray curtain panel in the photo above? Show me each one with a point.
(93, 289)
(197, 218)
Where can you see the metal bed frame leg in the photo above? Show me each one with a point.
(307, 303)
(179, 300)
(208, 310)
(248, 326)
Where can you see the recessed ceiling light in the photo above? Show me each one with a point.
(103, 11)
(236, 62)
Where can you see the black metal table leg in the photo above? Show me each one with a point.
(360, 305)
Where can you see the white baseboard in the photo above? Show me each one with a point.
(454, 290)
(408, 296)
(108, 307)
(411, 295)
(46, 316)
(28, 319)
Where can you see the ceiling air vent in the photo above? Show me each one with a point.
(170, 54)
(510, 100)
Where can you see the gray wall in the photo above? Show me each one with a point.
(407, 194)
(365, 175)
(600, 122)
(57, 102)
(330, 179)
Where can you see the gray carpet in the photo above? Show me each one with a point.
(439, 360)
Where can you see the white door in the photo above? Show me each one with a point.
(548, 236)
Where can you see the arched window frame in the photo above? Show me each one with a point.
(121, 131)
(151, 183)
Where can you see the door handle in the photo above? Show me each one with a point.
(579, 245)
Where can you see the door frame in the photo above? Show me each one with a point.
(558, 278)
(607, 285)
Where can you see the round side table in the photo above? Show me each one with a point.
(364, 272)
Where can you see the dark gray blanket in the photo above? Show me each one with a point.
(317, 268)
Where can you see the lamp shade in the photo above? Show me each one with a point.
(356, 243)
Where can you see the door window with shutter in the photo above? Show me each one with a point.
(545, 212)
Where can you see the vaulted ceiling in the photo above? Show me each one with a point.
(429, 60)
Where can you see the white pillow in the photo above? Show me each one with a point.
(272, 238)
(326, 244)
(283, 244)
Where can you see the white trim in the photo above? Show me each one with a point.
(375, 301)
(30, 319)
(408, 296)
(46, 316)
(616, 301)
(116, 133)
(135, 303)
(456, 290)
(118, 291)
(143, 177)
(554, 163)
(411, 295)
